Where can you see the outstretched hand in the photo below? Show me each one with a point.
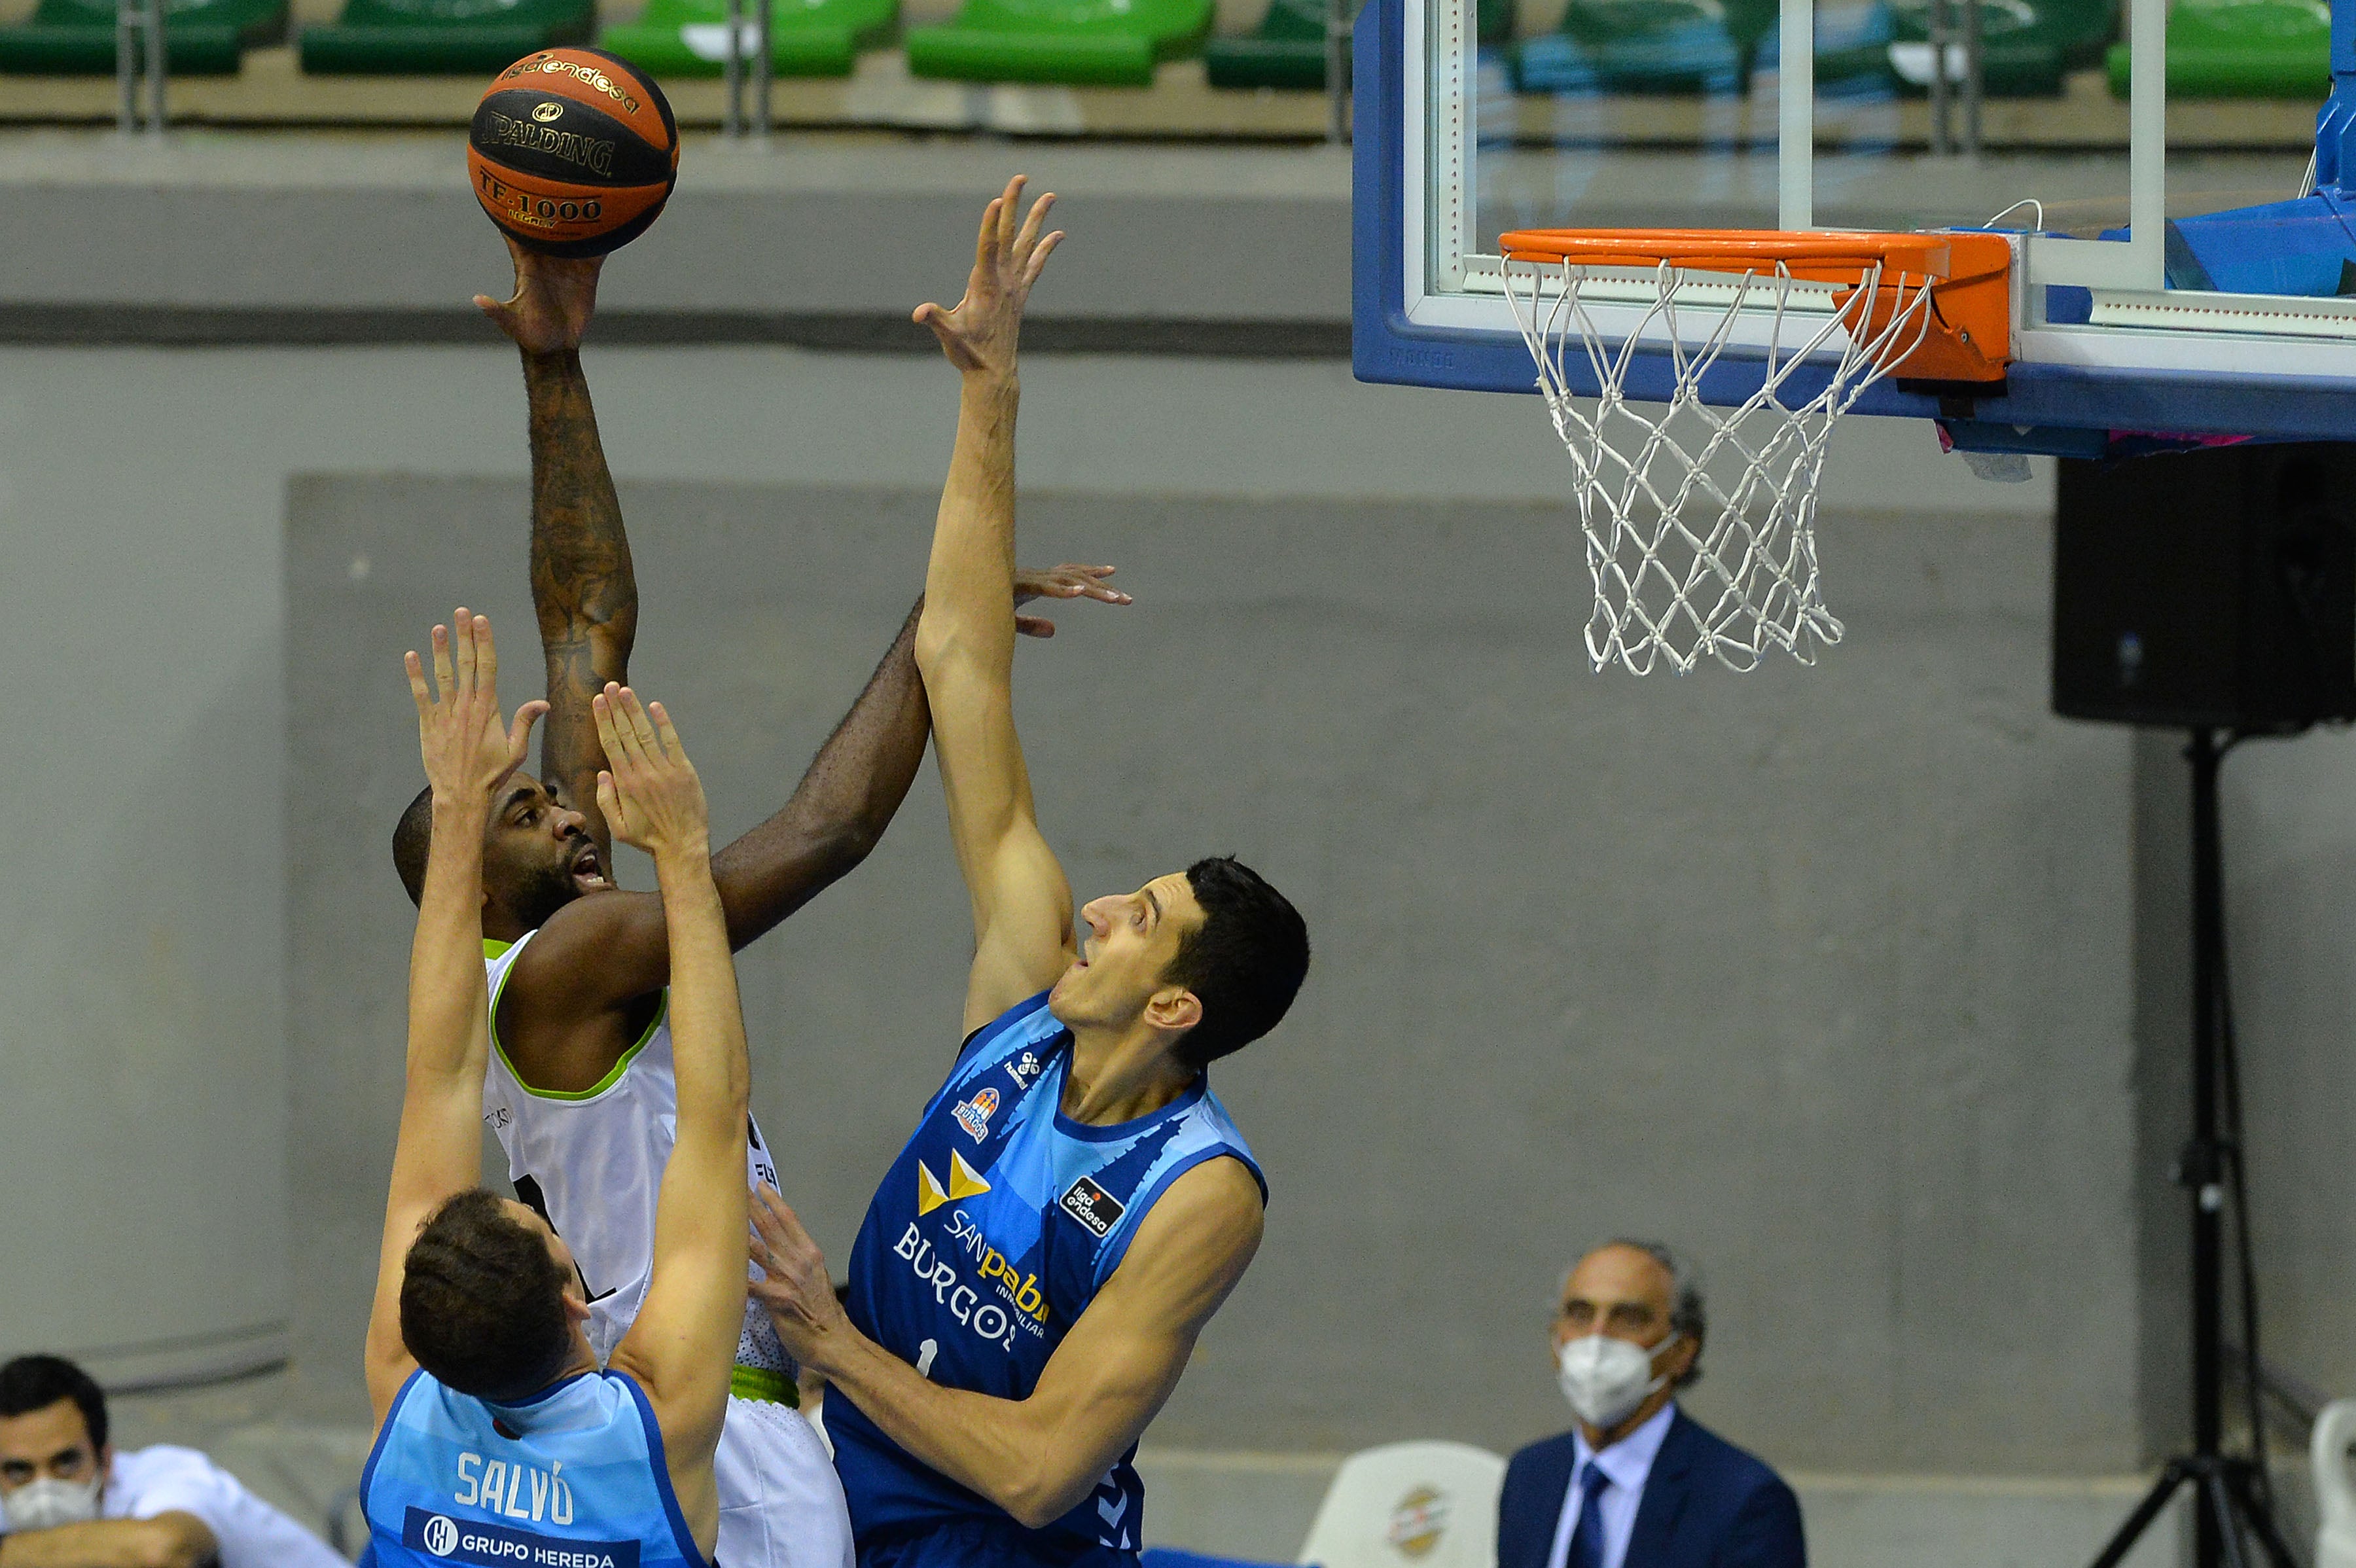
(1065, 582)
(554, 297)
(794, 1285)
(979, 332)
(648, 789)
(468, 750)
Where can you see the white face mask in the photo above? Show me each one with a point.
(49, 1502)
(1606, 1379)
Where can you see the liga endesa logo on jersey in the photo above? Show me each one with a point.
(496, 1546)
(1093, 1206)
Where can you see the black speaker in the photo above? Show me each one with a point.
(2215, 588)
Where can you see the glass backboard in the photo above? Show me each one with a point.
(2183, 250)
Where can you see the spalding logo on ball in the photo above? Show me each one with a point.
(572, 152)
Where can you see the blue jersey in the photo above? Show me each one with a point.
(997, 1226)
(574, 1479)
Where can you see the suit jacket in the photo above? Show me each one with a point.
(1706, 1504)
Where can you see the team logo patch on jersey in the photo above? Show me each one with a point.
(1093, 1206)
(974, 1114)
(1023, 1069)
(498, 1546)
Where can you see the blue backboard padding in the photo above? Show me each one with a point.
(2282, 247)
(1386, 347)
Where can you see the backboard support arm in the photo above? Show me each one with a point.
(2141, 261)
(1795, 117)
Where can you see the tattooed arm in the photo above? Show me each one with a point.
(582, 584)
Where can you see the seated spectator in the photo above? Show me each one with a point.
(1637, 1483)
(70, 1500)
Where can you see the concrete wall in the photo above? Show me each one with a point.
(1824, 973)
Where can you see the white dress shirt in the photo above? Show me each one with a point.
(1628, 1463)
(164, 1479)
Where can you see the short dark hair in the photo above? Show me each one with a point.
(482, 1303)
(1244, 963)
(35, 1382)
(412, 843)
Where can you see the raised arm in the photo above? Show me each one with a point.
(684, 1341)
(582, 588)
(602, 950)
(1035, 1457)
(965, 638)
(468, 754)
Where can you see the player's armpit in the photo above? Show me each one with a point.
(596, 955)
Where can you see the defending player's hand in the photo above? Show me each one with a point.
(469, 752)
(1065, 582)
(648, 789)
(795, 1286)
(554, 297)
(979, 332)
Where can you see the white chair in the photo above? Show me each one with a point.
(1410, 1505)
(2335, 1498)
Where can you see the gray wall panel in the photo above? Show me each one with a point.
(1823, 973)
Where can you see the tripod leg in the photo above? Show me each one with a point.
(2219, 1500)
(2146, 1511)
(2262, 1522)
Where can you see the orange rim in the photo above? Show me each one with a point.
(1969, 335)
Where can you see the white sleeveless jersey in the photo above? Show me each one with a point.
(592, 1162)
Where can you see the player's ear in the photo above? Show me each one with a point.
(1174, 1007)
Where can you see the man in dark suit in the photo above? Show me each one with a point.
(1637, 1483)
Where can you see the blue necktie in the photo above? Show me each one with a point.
(1587, 1538)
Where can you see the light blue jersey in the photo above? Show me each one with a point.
(997, 1226)
(572, 1478)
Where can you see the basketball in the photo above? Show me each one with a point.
(572, 152)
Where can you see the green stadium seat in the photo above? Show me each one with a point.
(1288, 48)
(1080, 43)
(2241, 49)
(2026, 47)
(807, 37)
(1681, 47)
(201, 38)
(442, 37)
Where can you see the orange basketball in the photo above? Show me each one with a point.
(572, 152)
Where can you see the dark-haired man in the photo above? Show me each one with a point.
(70, 1499)
(1075, 1205)
(579, 1089)
(501, 1437)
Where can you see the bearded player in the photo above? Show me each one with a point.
(580, 1088)
(1075, 1203)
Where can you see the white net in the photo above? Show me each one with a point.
(1700, 519)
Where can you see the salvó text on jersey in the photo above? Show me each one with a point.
(513, 1491)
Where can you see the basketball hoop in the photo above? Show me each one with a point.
(1699, 518)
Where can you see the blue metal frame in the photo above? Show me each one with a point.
(2066, 400)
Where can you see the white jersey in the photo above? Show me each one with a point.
(592, 1162)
